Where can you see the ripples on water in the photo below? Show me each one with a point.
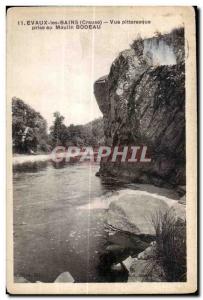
(54, 228)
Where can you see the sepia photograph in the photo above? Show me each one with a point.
(101, 150)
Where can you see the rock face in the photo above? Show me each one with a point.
(143, 103)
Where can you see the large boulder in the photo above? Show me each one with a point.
(136, 212)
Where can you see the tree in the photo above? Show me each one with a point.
(29, 128)
(58, 131)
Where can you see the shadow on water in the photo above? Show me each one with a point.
(30, 166)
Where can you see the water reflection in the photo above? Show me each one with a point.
(30, 166)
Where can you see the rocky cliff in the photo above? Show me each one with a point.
(143, 103)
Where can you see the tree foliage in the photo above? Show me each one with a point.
(58, 132)
(90, 134)
(29, 128)
(29, 131)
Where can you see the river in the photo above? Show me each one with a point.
(59, 222)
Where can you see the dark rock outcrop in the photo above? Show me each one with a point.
(143, 103)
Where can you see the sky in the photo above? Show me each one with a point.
(55, 70)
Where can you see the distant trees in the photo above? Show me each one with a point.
(29, 128)
(29, 131)
(94, 132)
(90, 134)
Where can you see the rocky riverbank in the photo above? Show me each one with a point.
(132, 216)
(132, 220)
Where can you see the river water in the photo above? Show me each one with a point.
(60, 216)
(59, 222)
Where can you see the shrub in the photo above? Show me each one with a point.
(170, 252)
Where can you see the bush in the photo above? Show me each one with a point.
(138, 46)
(170, 251)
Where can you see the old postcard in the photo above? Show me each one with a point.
(101, 150)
